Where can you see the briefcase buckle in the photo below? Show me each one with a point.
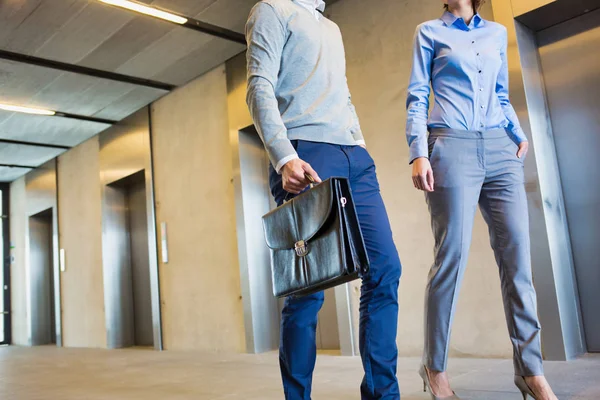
(301, 248)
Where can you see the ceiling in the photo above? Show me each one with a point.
(90, 34)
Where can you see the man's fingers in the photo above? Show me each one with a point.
(294, 189)
(310, 171)
(297, 176)
(293, 181)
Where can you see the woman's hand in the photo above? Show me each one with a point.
(523, 149)
(422, 174)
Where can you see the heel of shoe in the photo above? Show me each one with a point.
(424, 377)
(523, 387)
(426, 384)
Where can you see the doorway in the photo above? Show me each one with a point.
(41, 269)
(262, 312)
(573, 94)
(127, 263)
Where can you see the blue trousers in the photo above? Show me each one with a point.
(379, 291)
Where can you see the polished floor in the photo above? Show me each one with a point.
(47, 373)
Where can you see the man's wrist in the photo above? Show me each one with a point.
(283, 162)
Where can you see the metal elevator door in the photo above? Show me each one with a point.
(41, 254)
(126, 263)
(140, 264)
(571, 67)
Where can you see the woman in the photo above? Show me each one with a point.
(473, 155)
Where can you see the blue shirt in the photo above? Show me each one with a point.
(467, 69)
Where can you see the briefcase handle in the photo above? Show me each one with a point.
(312, 185)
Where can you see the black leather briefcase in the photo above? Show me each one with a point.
(315, 240)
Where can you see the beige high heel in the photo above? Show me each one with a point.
(427, 385)
(524, 388)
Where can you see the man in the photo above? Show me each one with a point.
(300, 103)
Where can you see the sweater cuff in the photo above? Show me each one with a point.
(283, 161)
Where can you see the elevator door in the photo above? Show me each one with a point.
(41, 270)
(126, 264)
(256, 201)
(571, 67)
(140, 264)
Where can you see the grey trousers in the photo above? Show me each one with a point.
(472, 168)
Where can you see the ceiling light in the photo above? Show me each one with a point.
(26, 110)
(153, 12)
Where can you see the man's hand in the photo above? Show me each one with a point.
(523, 149)
(422, 175)
(294, 176)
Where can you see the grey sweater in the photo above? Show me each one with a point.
(297, 88)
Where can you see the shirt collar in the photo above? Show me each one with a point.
(314, 6)
(451, 19)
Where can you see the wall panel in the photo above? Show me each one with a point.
(18, 291)
(200, 284)
(80, 221)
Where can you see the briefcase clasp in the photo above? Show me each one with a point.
(301, 248)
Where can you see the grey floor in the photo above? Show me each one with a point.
(77, 374)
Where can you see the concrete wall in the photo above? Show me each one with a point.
(80, 221)
(200, 285)
(378, 45)
(378, 49)
(194, 134)
(18, 288)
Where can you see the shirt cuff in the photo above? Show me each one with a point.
(284, 161)
(419, 149)
(361, 143)
(519, 136)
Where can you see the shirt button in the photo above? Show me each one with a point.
(482, 107)
(481, 89)
(477, 54)
(473, 42)
(480, 71)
